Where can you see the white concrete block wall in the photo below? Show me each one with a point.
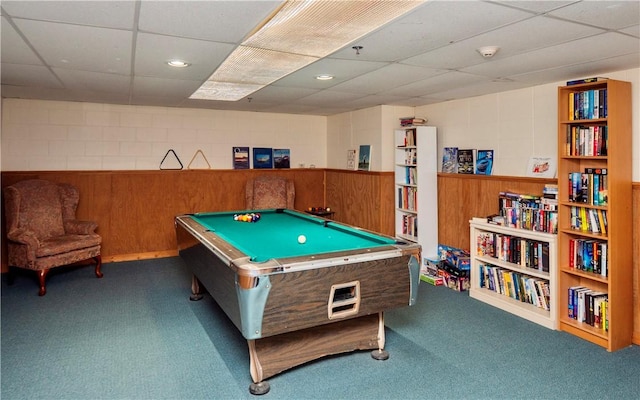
(49, 135)
(517, 124)
(373, 126)
(40, 135)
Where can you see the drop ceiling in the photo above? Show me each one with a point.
(116, 52)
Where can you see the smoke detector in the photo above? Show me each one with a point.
(488, 51)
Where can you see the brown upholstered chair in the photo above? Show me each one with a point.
(269, 192)
(42, 229)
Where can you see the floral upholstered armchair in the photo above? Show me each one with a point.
(269, 192)
(42, 229)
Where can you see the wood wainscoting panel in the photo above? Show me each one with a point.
(135, 209)
(636, 263)
(387, 204)
(461, 197)
(362, 198)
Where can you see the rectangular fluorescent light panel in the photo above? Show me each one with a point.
(298, 34)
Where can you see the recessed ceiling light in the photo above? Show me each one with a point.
(178, 63)
(324, 77)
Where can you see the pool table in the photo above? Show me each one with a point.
(295, 302)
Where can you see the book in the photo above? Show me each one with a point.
(364, 157)
(484, 162)
(450, 160)
(550, 191)
(542, 167)
(262, 157)
(410, 121)
(240, 157)
(281, 158)
(466, 161)
(586, 80)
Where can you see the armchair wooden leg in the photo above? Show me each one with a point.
(195, 289)
(98, 260)
(11, 276)
(42, 275)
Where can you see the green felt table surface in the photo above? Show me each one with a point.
(276, 234)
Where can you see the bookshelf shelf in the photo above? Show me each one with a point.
(514, 267)
(416, 194)
(533, 313)
(592, 262)
(489, 247)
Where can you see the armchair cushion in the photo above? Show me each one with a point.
(66, 243)
(269, 192)
(73, 226)
(38, 209)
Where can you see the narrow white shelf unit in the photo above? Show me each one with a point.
(479, 233)
(416, 187)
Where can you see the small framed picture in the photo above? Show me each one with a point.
(262, 157)
(240, 157)
(364, 157)
(282, 158)
(542, 167)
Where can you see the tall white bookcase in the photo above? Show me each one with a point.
(416, 187)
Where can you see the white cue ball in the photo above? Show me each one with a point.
(302, 239)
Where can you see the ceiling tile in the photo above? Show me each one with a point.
(431, 26)
(534, 33)
(153, 52)
(107, 14)
(271, 94)
(14, 47)
(93, 81)
(328, 98)
(100, 50)
(210, 20)
(447, 81)
(536, 5)
(604, 14)
(295, 108)
(374, 100)
(115, 52)
(29, 75)
(632, 30)
(477, 90)
(583, 70)
(386, 78)
(149, 86)
(40, 93)
(579, 51)
(342, 70)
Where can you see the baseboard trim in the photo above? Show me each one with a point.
(140, 256)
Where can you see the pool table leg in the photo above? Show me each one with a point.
(195, 289)
(380, 353)
(259, 388)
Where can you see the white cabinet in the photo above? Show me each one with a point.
(416, 186)
(515, 270)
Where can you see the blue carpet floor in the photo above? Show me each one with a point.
(135, 335)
